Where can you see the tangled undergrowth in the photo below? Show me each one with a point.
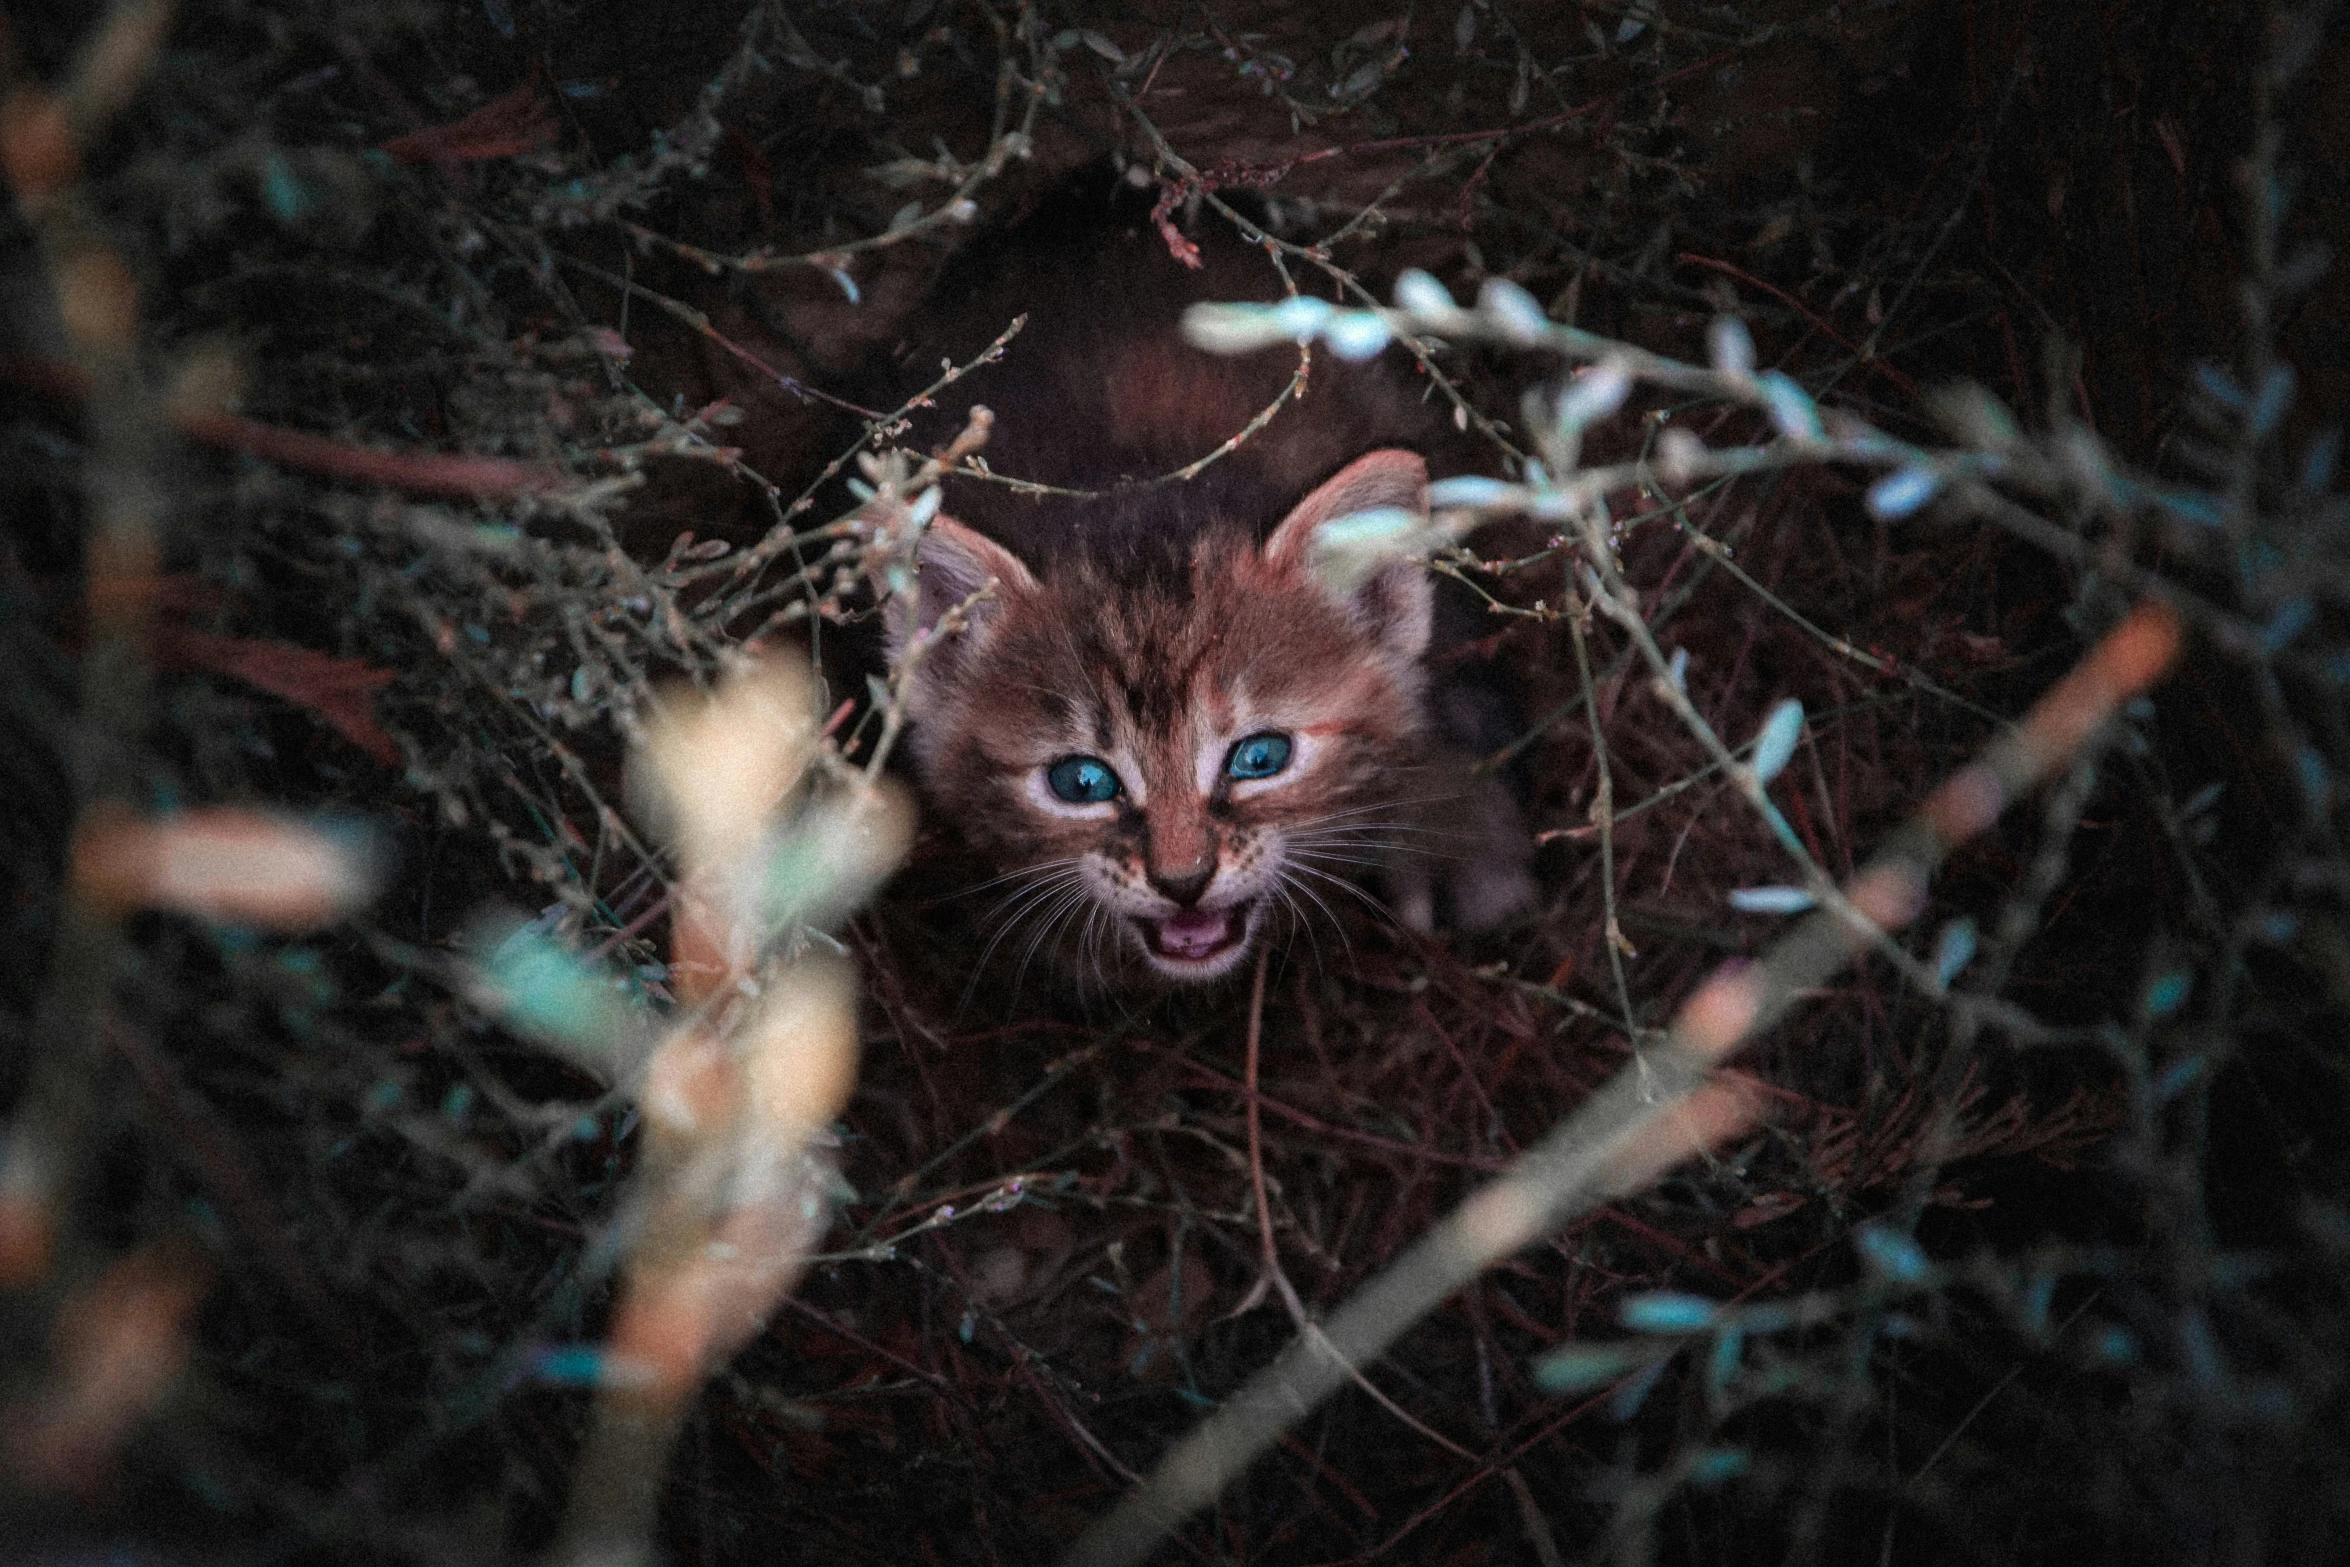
(403, 401)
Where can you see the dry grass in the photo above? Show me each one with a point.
(427, 382)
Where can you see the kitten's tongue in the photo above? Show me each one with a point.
(1194, 933)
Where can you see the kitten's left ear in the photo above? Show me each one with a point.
(1395, 598)
(953, 563)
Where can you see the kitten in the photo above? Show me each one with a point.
(1167, 731)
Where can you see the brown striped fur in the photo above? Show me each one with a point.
(1157, 626)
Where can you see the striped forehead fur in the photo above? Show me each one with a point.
(1153, 664)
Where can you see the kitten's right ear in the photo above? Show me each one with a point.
(954, 562)
(1394, 599)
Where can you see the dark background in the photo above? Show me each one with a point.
(381, 1208)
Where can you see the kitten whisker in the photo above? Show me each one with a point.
(1388, 854)
(1043, 886)
(1025, 870)
(1084, 909)
(1028, 901)
(1075, 898)
(1327, 857)
(1092, 946)
(1296, 918)
(1370, 900)
(1390, 816)
(1377, 834)
(1048, 912)
(1383, 805)
(1080, 946)
(1040, 875)
(1282, 884)
(1035, 935)
(1355, 839)
(1019, 906)
(1420, 829)
(1318, 901)
(1442, 845)
(1007, 917)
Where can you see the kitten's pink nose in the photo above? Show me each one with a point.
(1186, 883)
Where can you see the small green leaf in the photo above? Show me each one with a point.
(1578, 1368)
(1722, 1364)
(1355, 335)
(2114, 1344)
(1775, 745)
(2269, 408)
(1348, 551)
(1519, 316)
(2033, 1306)
(2177, 1076)
(1302, 315)
(571, 1365)
(1374, 526)
(1711, 1466)
(1772, 900)
(1955, 950)
(1594, 393)
(2214, 381)
(1730, 346)
(1891, 1254)
(1792, 410)
(2168, 993)
(1472, 490)
(1898, 494)
(1667, 1311)
(2197, 508)
(542, 989)
(1236, 329)
(287, 196)
(1417, 291)
(2286, 625)
(1634, 1393)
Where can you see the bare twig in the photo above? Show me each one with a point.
(1666, 1106)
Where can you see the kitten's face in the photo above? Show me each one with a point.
(1160, 769)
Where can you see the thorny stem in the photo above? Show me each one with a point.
(1608, 591)
(1276, 246)
(1003, 147)
(1270, 1255)
(745, 567)
(1908, 674)
(951, 623)
(1190, 470)
(919, 647)
(1295, 386)
(699, 322)
(1603, 816)
(1970, 480)
(1614, 597)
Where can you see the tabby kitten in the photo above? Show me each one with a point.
(1166, 730)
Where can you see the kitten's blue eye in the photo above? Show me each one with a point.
(1259, 756)
(1083, 780)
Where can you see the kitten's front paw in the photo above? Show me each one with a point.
(1490, 895)
(1495, 883)
(1413, 898)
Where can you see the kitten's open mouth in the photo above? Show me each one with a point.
(1198, 943)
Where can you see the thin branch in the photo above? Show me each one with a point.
(1650, 1115)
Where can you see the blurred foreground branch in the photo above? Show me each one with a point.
(1664, 1107)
